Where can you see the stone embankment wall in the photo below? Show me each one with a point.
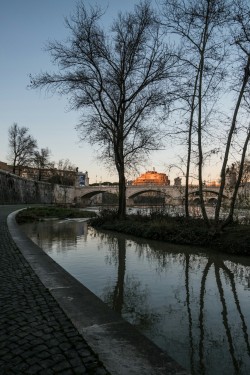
(63, 194)
(14, 189)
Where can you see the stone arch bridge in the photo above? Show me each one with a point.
(173, 194)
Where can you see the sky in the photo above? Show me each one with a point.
(25, 28)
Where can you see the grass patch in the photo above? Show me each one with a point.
(41, 213)
(235, 239)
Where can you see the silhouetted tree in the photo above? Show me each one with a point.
(240, 29)
(215, 40)
(198, 28)
(41, 161)
(117, 77)
(64, 173)
(21, 147)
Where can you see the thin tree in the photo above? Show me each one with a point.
(21, 147)
(64, 173)
(241, 40)
(117, 79)
(197, 25)
(246, 171)
(204, 28)
(41, 160)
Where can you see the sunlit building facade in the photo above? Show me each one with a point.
(152, 178)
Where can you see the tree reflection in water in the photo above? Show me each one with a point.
(129, 299)
(190, 322)
(196, 306)
(127, 296)
(219, 267)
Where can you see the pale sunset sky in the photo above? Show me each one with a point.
(25, 28)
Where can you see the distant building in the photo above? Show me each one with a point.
(5, 167)
(213, 183)
(53, 175)
(82, 179)
(152, 178)
(177, 181)
(231, 176)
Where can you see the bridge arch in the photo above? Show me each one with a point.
(212, 201)
(196, 201)
(206, 191)
(91, 194)
(210, 196)
(84, 195)
(167, 197)
(171, 194)
(149, 190)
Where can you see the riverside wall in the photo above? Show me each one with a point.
(16, 190)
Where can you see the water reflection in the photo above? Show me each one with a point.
(195, 306)
(127, 296)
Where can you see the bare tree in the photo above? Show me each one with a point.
(64, 173)
(41, 160)
(22, 147)
(246, 172)
(241, 85)
(209, 31)
(197, 25)
(117, 77)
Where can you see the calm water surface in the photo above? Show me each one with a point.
(195, 306)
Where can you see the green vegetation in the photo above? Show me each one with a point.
(40, 213)
(235, 239)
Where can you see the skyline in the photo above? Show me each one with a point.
(25, 29)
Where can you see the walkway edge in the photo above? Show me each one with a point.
(121, 348)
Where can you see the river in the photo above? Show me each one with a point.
(194, 305)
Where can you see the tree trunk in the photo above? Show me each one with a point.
(190, 144)
(122, 195)
(118, 296)
(229, 218)
(228, 145)
(14, 166)
(199, 131)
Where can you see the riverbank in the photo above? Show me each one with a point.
(47, 212)
(235, 239)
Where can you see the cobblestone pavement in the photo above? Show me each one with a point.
(36, 337)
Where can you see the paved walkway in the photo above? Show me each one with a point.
(36, 337)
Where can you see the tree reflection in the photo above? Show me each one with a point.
(225, 318)
(190, 321)
(131, 301)
(118, 294)
(201, 317)
(127, 296)
(200, 299)
(220, 268)
(62, 233)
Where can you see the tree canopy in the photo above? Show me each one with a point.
(116, 80)
(120, 79)
(21, 146)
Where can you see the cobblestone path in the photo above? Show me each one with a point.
(36, 337)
